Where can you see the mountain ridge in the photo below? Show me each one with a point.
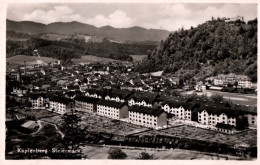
(134, 33)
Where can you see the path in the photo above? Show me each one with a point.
(57, 129)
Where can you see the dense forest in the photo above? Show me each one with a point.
(209, 49)
(65, 50)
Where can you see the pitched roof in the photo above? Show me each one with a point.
(86, 99)
(146, 110)
(122, 94)
(225, 126)
(218, 109)
(232, 75)
(95, 91)
(63, 100)
(37, 95)
(147, 97)
(110, 103)
(172, 103)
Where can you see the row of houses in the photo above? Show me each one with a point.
(146, 111)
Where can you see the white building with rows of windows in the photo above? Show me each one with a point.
(213, 115)
(86, 104)
(147, 117)
(177, 109)
(113, 110)
(243, 81)
(61, 105)
(38, 101)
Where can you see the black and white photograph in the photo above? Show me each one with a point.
(130, 81)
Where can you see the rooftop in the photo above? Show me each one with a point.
(86, 99)
(146, 110)
(110, 103)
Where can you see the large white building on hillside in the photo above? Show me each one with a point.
(242, 80)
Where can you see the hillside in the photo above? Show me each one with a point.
(121, 34)
(66, 47)
(209, 49)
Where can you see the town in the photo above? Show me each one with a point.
(112, 92)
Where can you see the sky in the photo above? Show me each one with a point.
(168, 16)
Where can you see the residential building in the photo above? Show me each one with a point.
(117, 95)
(180, 110)
(61, 105)
(144, 99)
(38, 100)
(19, 91)
(94, 93)
(112, 109)
(147, 117)
(212, 115)
(86, 104)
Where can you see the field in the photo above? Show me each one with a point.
(102, 124)
(190, 132)
(137, 58)
(236, 98)
(99, 152)
(19, 59)
(91, 58)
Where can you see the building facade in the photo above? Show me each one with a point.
(86, 104)
(38, 101)
(206, 117)
(61, 105)
(177, 109)
(147, 117)
(111, 109)
(243, 81)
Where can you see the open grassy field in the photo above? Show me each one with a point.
(91, 58)
(236, 98)
(19, 59)
(137, 58)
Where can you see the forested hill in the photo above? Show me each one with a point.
(122, 34)
(211, 48)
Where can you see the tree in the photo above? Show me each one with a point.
(236, 84)
(145, 156)
(74, 136)
(116, 154)
(217, 98)
(242, 122)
